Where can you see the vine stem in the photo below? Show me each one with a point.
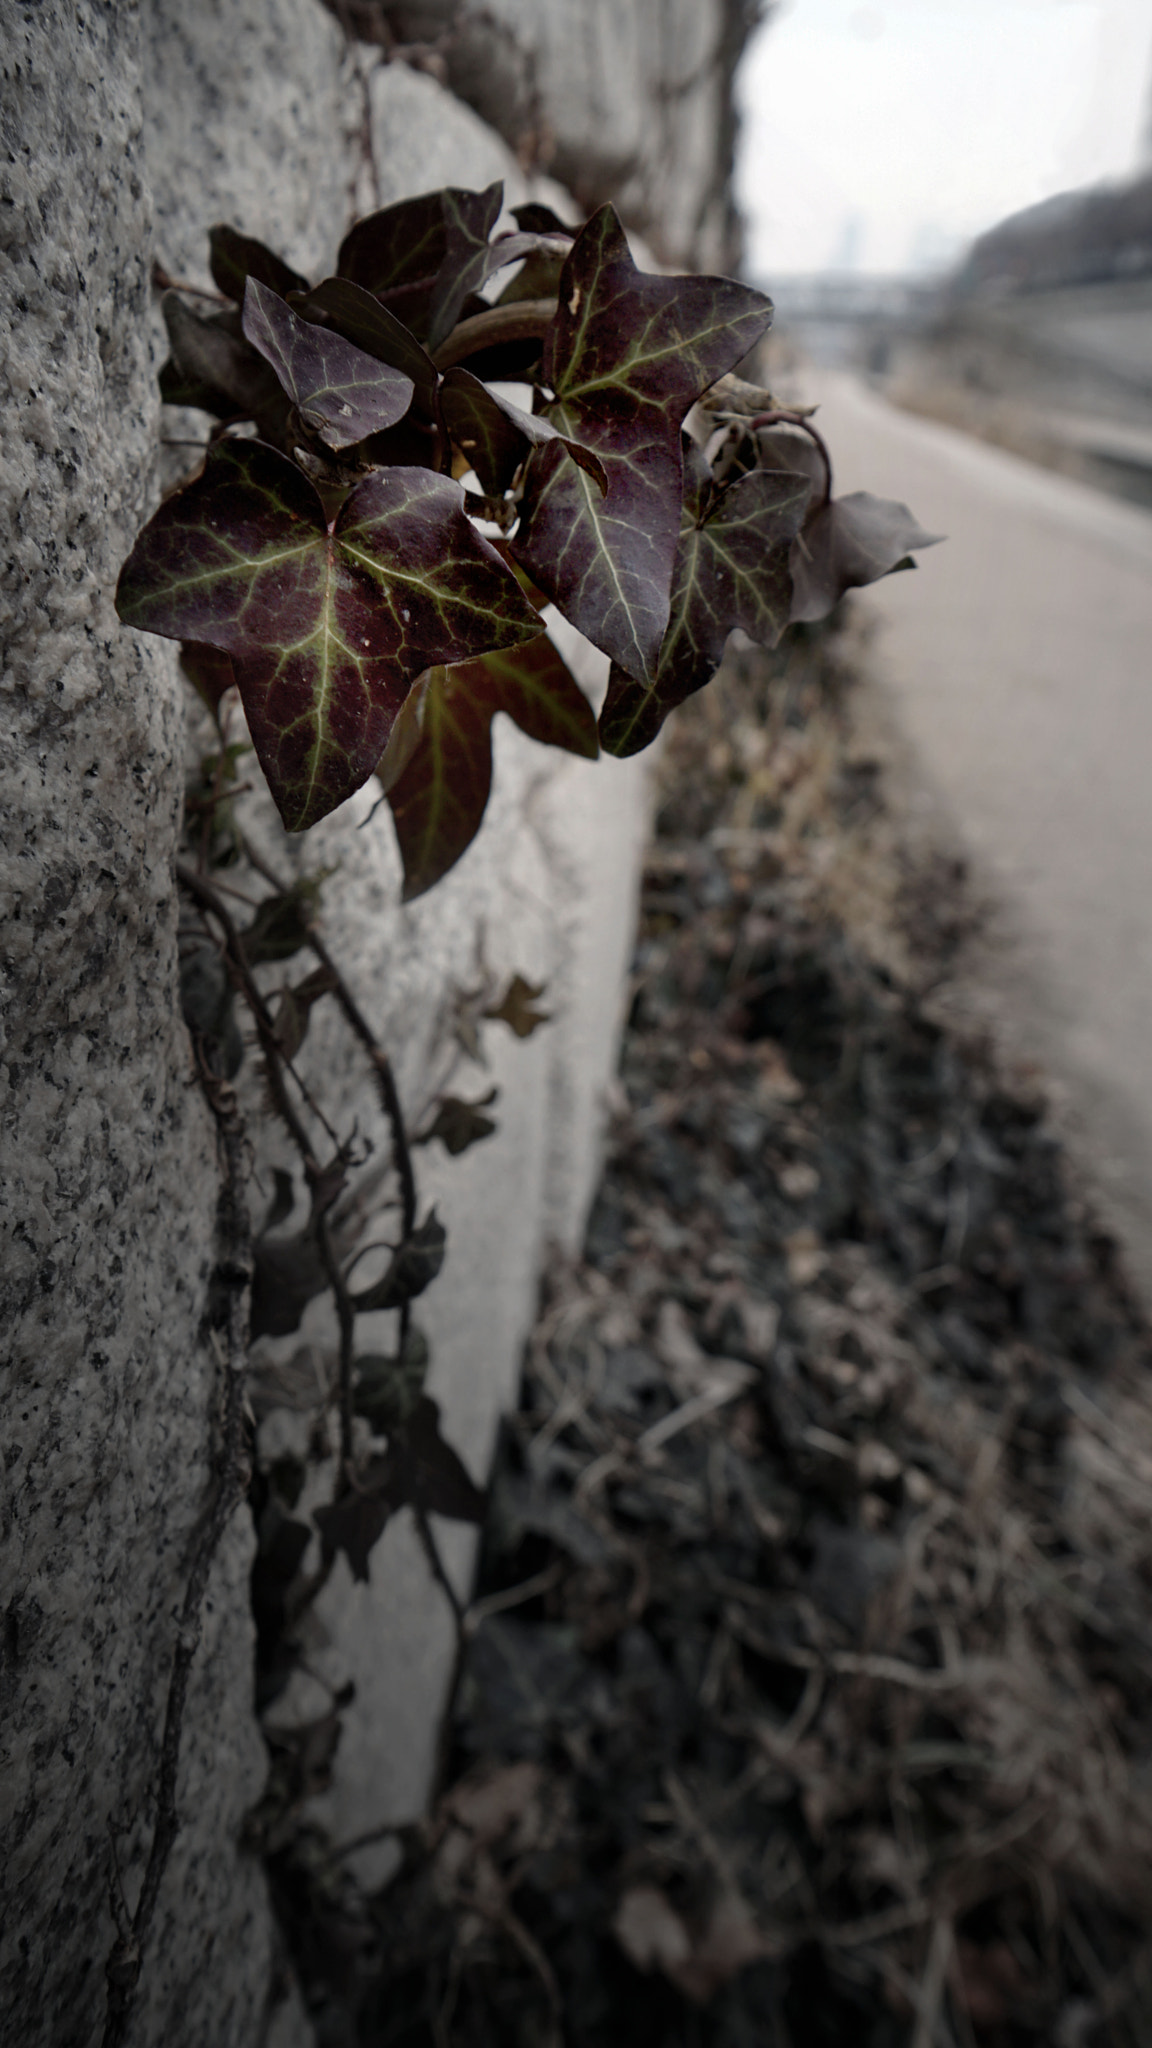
(782, 418)
(381, 1064)
(523, 320)
(234, 1272)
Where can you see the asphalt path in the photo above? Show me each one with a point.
(1016, 665)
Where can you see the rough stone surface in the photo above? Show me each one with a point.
(129, 130)
(109, 1386)
(629, 102)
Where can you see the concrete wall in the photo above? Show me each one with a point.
(128, 130)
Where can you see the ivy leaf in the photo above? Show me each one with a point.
(536, 218)
(294, 1010)
(356, 1522)
(469, 218)
(361, 319)
(850, 542)
(459, 1124)
(413, 1267)
(731, 570)
(286, 1274)
(428, 1471)
(418, 1469)
(496, 435)
(627, 355)
(517, 1007)
(438, 800)
(208, 670)
(233, 258)
(339, 391)
(213, 367)
(538, 279)
(388, 1388)
(408, 255)
(327, 629)
(283, 923)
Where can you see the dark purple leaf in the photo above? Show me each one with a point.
(439, 797)
(459, 1124)
(850, 542)
(217, 370)
(208, 670)
(327, 630)
(731, 570)
(235, 257)
(417, 257)
(537, 219)
(627, 356)
(538, 279)
(497, 435)
(517, 1007)
(339, 391)
(361, 319)
(469, 218)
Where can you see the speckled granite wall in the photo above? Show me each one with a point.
(128, 129)
(104, 1262)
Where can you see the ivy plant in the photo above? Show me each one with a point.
(379, 525)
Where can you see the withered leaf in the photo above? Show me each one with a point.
(850, 542)
(516, 1007)
(459, 1124)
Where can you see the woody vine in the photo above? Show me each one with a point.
(367, 557)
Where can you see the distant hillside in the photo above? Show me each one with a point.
(1085, 237)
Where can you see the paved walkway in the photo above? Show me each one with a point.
(1018, 664)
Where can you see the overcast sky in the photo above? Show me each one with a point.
(883, 137)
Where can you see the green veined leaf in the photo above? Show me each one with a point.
(361, 319)
(497, 435)
(469, 218)
(409, 255)
(850, 542)
(233, 258)
(731, 570)
(327, 630)
(339, 391)
(439, 798)
(627, 355)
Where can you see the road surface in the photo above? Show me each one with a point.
(1017, 665)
